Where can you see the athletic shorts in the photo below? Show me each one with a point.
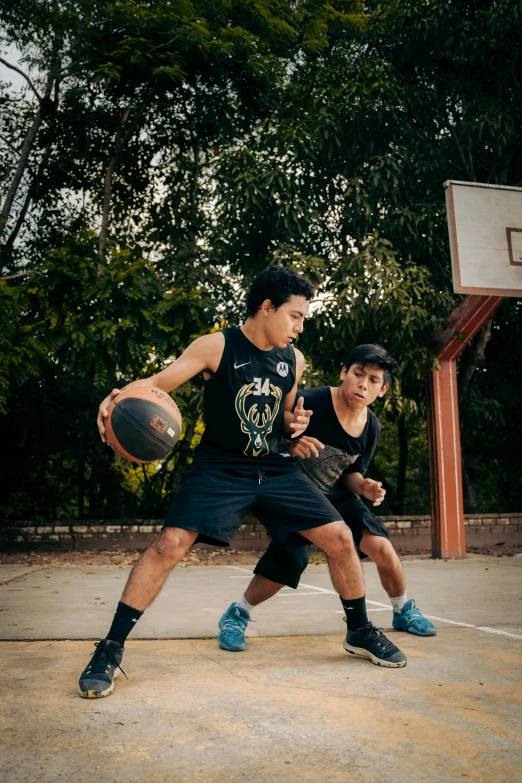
(284, 563)
(212, 503)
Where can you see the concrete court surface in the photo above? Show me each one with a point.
(292, 708)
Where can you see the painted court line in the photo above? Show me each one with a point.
(297, 594)
(495, 630)
(483, 628)
(463, 625)
(341, 611)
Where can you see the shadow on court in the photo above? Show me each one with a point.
(294, 707)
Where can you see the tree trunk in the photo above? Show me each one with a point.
(81, 483)
(470, 454)
(403, 464)
(20, 169)
(473, 358)
(28, 144)
(92, 494)
(107, 192)
(123, 135)
(470, 485)
(31, 193)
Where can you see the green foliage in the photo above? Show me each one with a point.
(214, 138)
(72, 335)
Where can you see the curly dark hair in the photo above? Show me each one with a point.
(373, 353)
(277, 283)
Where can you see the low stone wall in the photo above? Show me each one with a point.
(408, 533)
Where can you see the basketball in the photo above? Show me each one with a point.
(143, 424)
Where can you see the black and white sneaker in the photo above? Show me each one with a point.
(97, 679)
(370, 642)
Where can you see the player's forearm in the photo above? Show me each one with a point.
(288, 418)
(199, 355)
(166, 381)
(354, 482)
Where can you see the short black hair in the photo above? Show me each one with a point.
(372, 353)
(277, 283)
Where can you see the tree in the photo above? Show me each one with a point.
(102, 307)
(192, 144)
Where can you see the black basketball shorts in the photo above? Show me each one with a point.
(285, 562)
(212, 503)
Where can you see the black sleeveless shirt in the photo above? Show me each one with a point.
(243, 408)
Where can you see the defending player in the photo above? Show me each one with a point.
(343, 421)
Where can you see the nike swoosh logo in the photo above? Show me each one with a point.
(237, 366)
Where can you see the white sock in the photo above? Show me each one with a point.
(243, 603)
(399, 602)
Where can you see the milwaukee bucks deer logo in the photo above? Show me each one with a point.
(255, 423)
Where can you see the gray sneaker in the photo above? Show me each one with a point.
(370, 642)
(97, 679)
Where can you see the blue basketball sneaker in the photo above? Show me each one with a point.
(412, 620)
(232, 628)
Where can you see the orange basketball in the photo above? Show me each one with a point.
(143, 424)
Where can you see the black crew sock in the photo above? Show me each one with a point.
(124, 621)
(355, 609)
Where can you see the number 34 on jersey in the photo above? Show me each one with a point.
(261, 386)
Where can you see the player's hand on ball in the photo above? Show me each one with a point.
(301, 419)
(306, 447)
(373, 490)
(103, 412)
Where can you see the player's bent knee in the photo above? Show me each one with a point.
(346, 543)
(173, 542)
(380, 549)
(335, 540)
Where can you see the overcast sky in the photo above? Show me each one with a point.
(10, 53)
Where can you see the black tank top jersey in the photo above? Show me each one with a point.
(243, 408)
(342, 452)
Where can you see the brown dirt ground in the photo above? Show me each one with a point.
(199, 556)
(123, 557)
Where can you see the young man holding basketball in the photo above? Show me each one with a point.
(343, 421)
(242, 463)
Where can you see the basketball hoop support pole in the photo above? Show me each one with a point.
(447, 507)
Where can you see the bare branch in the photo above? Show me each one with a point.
(27, 147)
(20, 169)
(122, 138)
(22, 73)
(21, 274)
(20, 219)
(11, 146)
(31, 193)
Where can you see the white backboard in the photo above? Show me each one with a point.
(485, 229)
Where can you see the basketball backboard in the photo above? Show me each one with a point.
(485, 229)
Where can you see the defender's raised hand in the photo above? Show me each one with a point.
(373, 490)
(301, 419)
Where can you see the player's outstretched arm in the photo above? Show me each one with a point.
(296, 417)
(203, 354)
(356, 483)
